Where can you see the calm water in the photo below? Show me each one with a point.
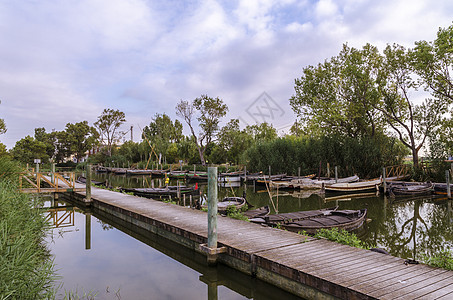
(94, 253)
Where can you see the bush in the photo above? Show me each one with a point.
(341, 236)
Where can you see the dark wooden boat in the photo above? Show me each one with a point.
(314, 220)
(172, 191)
(83, 180)
(258, 212)
(441, 188)
(410, 189)
(197, 176)
(222, 205)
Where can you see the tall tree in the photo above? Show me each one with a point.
(412, 122)
(162, 132)
(261, 132)
(28, 148)
(337, 96)
(210, 111)
(233, 142)
(108, 124)
(2, 125)
(81, 138)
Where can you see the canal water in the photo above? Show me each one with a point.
(96, 254)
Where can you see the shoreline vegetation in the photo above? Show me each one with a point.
(26, 265)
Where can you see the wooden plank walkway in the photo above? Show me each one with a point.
(287, 259)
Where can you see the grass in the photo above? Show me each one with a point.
(341, 236)
(26, 267)
(442, 259)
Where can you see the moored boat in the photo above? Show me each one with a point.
(314, 220)
(225, 203)
(441, 188)
(173, 191)
(354, 187)
(258, 212)
(82, 179)
(409, 189)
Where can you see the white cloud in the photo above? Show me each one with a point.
(66, 61)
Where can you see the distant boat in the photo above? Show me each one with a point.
(309, 184)
(258, 212)
(354, 187)
(222, 205)
(441, 188)
(83, 180)
(173, 191)
(313, 220)
(410, 189)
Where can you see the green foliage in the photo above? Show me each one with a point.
(108, 124)
(341, 236)
(80, 137)
(364, 157)
(235, 213)
(443, 259)
(28, 148)
(26, 267)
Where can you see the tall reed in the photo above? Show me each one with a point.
(26, 266)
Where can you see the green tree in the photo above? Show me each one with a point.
(210, 111)
(2, 125)
(107, 125)
(337, 96)
(232, 142)
(413, 123)
(81, 137)
(261, 132)
(162, 133)
(28, 148)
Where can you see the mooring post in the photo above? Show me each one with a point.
(269, 173)
(212, 207)
(210, 248)
(87, 231)
(88, 184)
(245, 173)
(52, 174)
(298, 173)
(328, 170)
(384, 183)
(447, 175)
(336, 174)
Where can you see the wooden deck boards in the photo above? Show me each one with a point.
(363, 273)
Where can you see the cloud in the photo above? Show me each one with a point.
(66, 61)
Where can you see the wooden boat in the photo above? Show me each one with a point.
(441, 188)
(197, 176)
(177, 174)
(136, 172)
(173, 191)
(82, 179)
(314, 220)
(410, 189)
(258, 212)
(308, 184)
(354, 187)
(222, 205)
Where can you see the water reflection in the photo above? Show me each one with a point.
(406, 227)
(119, 261)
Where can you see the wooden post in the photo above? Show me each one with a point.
(447, 175)
(88, 184)
(194, 169)
(384, 182)
(88, 231)
(245, 173)
(212, 211)
(37, 168)
(328, 170)
(52, 175)
(298, 173)
(269, 173)
(336, 174)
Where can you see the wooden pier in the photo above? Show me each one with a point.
(308, 267)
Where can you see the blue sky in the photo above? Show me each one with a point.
(65, 61)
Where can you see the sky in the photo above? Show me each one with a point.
(66, 61)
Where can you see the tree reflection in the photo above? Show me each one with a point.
(413, 228)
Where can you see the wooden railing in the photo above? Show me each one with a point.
(30, 182)
(398, 171)
(60, 216)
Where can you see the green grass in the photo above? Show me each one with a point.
(442, 259)
(26, 267)
(341, 236)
